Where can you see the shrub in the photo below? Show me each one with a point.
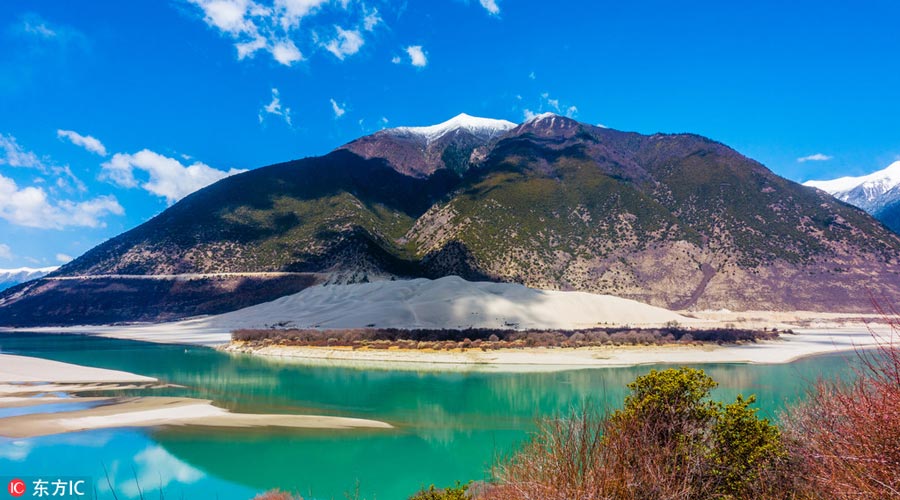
(846, 435)
(669, 441)
(458, 492)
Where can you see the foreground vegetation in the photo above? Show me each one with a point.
(671, 441)
(490, 338)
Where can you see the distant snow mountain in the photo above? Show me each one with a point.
(877, 193)
(12, 277)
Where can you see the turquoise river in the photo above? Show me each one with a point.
(449, 426)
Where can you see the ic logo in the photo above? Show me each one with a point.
(17, 487)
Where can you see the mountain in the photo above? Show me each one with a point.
(420, 151)
(12, 277)
(672, 220)
(877, 193)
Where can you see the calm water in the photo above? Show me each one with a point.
(450, 426)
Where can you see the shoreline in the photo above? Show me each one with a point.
(789, 348)
(812, 333)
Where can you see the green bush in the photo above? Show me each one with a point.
(458, 492)
(670, 440)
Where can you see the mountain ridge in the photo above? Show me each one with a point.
(877, 193)
(672, 220)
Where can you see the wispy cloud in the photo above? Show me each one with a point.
(815, 157)
(85, 141)
(14, 155)
(548, 103)
(164, 177)
(34, 27)
(275, 108)
(417, 56)
(338, 109)
(5, 252)
(63, 258)
(491, 6)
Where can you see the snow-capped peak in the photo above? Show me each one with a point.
(882, 179)
(485, 127)
(869, 192)
(551, 121)
(29, 270)
(542, 117)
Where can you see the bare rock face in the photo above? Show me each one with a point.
(674, 220)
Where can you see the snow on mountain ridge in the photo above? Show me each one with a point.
(884, 179)
(487, 127)
(11, 277)
(870, 192)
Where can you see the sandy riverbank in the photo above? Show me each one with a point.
(789, 348)
(38, 385)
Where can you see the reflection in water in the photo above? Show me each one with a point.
(450, 426)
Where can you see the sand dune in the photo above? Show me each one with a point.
(449, 302)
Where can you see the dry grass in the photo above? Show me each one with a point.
(846, 435)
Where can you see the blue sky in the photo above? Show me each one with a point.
(112, 110)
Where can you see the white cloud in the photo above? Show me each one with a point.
(417, 56)
(815, 157)
(348, 42)
(529, 114)
(15, 156)
(338, 110)
(285, 52)
(249, 49)
(5, 252)
(491, 6)
(275, 25)
(32, 207)
(290, 12)
(531, 76)
(63, 258)
(85, 141)
(396, 60)
(275, 108)
(165, 177)
(371, 20)
(571, 111)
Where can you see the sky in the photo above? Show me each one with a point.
(110, 111)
